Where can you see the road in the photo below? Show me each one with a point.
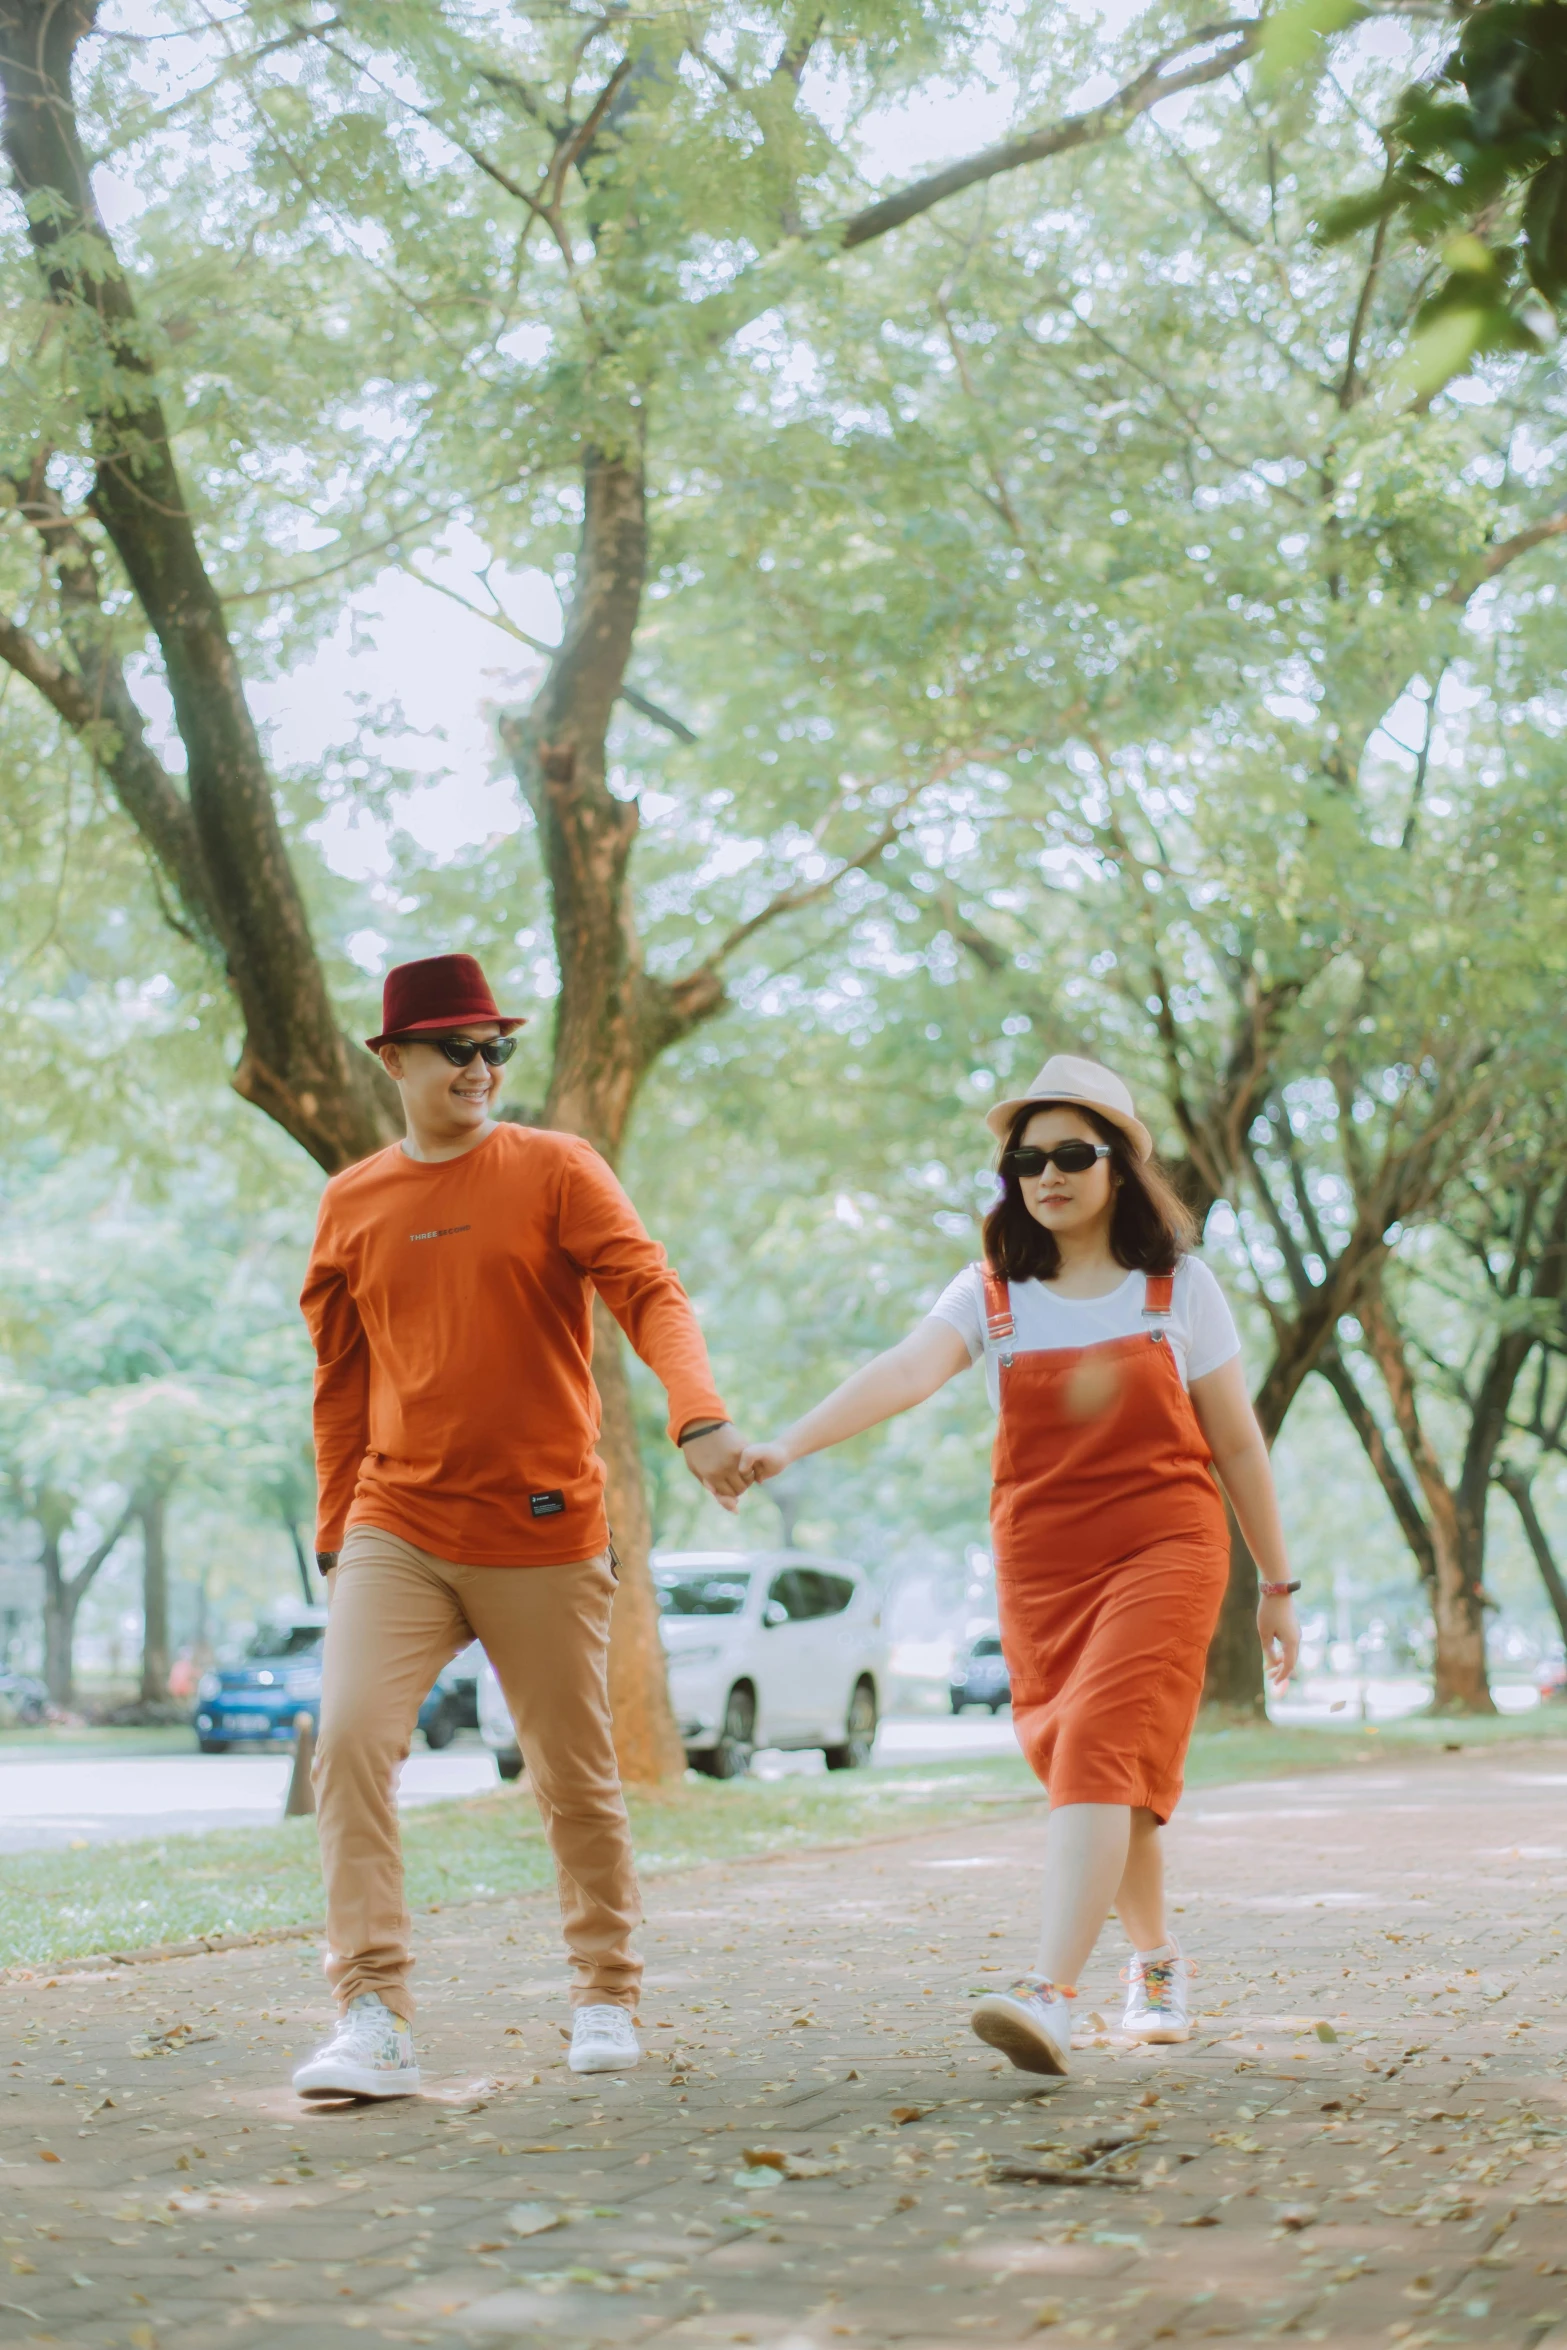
(50, 1803)
(1363, 2146)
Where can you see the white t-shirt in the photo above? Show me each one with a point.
(1201, 1328)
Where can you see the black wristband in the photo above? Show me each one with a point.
(326, 1560)
(704, 1428)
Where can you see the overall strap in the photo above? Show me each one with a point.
(1158, 1298)
(998, 1312)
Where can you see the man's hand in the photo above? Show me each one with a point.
(714, 1458)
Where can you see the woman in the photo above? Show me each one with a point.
(1114, 1363)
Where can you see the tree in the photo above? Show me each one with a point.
(35, 1495)
(594, 175)
(1476, 174)
(150, 1352)
(1240, 840)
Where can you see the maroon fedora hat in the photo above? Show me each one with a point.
(429, 997)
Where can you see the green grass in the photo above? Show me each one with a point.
(57, 1739)
(56, 1906)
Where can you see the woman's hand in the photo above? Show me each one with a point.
(1279, 1631)
(758, 1462)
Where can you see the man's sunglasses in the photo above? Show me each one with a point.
(459, 1050)
(1073, 1158)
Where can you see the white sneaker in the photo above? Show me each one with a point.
(1031, 2025)
(1156, 2009)
(602, 2041)
(371, 2054)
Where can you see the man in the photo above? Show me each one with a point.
(449, 1298)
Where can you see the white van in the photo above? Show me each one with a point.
(771, 1648)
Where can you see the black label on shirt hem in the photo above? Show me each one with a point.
(546, 1505)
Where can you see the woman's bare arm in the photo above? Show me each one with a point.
(890, 1383)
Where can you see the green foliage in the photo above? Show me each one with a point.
(1481, 180)
(1084, 533)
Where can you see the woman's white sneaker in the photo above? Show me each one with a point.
(1031, 2025)
(602, 2041)
(371, 2054)
(1156, 2006)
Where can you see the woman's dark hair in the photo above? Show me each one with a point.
(1150, 1229)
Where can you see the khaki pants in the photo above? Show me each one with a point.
(396, 1615)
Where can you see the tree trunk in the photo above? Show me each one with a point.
(63, 1593)
(60, 1604)
(303, 1566)
(222, 839)
(153, 1512)
(612, 1018)
(647, 1737)
(1405, 1508)
(200, 1639)
(1235, 1681)
(1460, 1681)
(1522, 1490)
(1233, 1684)
(1459, 1677)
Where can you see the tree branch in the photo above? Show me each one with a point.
(96, 702)
(1504, 552)
(1241, 38)
(75, 1585)
(1520, 1488)
(498, 618)
(1332, 1367)
(791, 901)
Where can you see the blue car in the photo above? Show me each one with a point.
(256, 1702)
(980, 1677)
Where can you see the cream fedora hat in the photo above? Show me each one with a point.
(1066, 1078)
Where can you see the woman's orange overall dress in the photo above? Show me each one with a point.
(1112, 1556)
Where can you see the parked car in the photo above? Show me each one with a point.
(453, 1703)
(495, 1723)
(770, 1648)
(765, 1648)
(24, 1700)
(256, 1702)
(979, 1675)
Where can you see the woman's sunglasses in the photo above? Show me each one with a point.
(459, 1050)
(1073, 1158)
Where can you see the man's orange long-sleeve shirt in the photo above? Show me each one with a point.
(450, 1306)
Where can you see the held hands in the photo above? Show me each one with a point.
(715, 1459)
(758, 1462)
(726, 1465)
(1279, 1631)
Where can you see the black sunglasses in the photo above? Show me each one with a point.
(1073, 1158)
(459, 1050)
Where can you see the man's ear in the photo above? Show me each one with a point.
(391, 1059)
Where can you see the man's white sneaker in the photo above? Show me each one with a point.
(1031, 2025)
(371, 2054)
(602, 2041)
(1156, 2009)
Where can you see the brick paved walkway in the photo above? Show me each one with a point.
(817, 2151)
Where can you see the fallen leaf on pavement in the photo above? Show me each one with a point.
(533, 2219)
